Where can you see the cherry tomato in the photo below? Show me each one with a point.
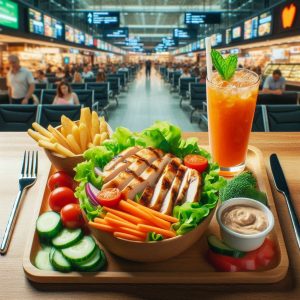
(109, 197)
(60, 197)
(71, 216)
(195, 161)
(60, 179)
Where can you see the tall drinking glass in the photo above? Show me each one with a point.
(231, 106)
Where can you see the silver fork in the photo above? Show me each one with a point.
(26, 179)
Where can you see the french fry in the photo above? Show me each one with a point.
(95, 128)
(63, 150)
(67, 124)
(86, 118)
(36, 135)
(63, 131)
(103, 125)
(58, 136)
(97, 139)
(41, 130)
(83, 136)
(47, 145)
(104, 136)
(73, 144)
(76, 134)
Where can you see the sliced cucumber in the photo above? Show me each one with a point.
(67, 238)
(48, 224)
(42, 260)
(59, 262)
(94, 263)
(81, 251)
(219, 247)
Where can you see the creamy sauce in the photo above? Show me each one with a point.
(244, 219)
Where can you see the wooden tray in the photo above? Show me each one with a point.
(188, 268)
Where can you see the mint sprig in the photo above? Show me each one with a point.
(226, 67)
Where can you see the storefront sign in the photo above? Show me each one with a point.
(288, 15)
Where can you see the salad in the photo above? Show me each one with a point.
(148, 186)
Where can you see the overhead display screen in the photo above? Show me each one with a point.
(9, 14)
(184, 33)
(265, 24)
(250, 28)
(36, 21)
(228, 36)
(116, 33)
(69, 33)
(197, 18)
(89, 41)
(103, 19)
(236, 32)
(78, 37)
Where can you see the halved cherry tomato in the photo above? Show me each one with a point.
(71, 216)
(60, 197)
(109, 197)
(195, 161)
(60, 179)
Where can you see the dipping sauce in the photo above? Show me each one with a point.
(244, 219)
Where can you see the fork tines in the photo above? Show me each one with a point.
(30, 164)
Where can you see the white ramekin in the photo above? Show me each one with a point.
(239, 241)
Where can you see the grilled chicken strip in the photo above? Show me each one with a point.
(164, 183)
(183, 188)
(194, 189)
(147, 178)
(142, 159)
(169, 201)
(121, 156)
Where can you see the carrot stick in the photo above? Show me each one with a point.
(132, 231)
(102, 227)
(124, 215)
(154, 212)
(127, 236)
(148, 228)
(144, 215)
(118, 223)
(100, 221)
(113, 216)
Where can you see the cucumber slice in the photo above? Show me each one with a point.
(219, 247)
(59, 262)
(94, 263)
(42, 260)
(81, 251)
(48, 224)
(67, 238)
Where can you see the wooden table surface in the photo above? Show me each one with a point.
(14, 285)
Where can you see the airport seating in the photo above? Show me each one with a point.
(284, 118)
(4, 99)
(41, 86)
(260, 119)
(74, 86)
(184, 87)
(88, 80)
(17, 117)
(289, 97)
(49, 114)
(122, 79)
(175, 80)
(38, 94)
(115, 87)
(126, 73)
(87, 99)
(47, 96)
(197, 95)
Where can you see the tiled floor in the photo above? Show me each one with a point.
(149, 100)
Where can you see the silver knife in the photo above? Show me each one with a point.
(282, 187)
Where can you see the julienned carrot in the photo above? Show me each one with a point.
(117, 223)
(154, 212)
(148, 228)
(132, 231)
(113, 216)
(100, 221)
(102, 227)
(124, 215)
(127, 236)
(144, 215)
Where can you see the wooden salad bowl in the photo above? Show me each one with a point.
(151, 251)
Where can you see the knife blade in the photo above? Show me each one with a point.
(282, 187)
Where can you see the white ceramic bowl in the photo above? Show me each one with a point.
(239, 241)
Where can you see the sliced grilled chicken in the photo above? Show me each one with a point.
(121, 156)
(164, 183)
(147, 195)
(183, 188)
(147, 178)
(194, 189)
(144, 159)
(169, 201)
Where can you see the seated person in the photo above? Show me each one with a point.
(59, 73)
(40, 77)
(64, 95)
(123, 68)
(274, 84)
(87, 73)
(186, 73)
(100, 77)
(77, 77)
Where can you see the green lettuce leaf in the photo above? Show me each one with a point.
(154, 237)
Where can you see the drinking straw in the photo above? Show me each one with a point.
(208, 58)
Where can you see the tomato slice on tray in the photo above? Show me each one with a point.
(109, 197)
(60, 179)
(195, 161)
(71, 216)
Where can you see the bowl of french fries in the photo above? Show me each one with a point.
(65, 144)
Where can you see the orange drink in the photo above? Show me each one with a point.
(231, 106)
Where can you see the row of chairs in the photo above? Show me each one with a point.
(18, 117)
